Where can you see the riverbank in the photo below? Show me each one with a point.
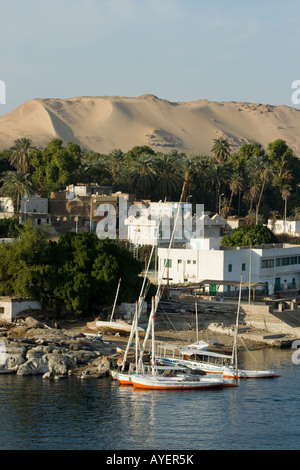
(55, 350)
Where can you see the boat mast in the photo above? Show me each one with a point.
(234, 350)
(153, 338)
(196, 312)
(158, 291)
(134, 328)
(117, 293)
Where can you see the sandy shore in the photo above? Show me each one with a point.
(219, 341)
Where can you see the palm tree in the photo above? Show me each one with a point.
(221, 149)
(198, 166)
(285, 194)
(169, 169)
(142, 176)
(266, 172)
(225, 208)
(16, 184)
(236, 185)
(96, 171)
(296, 213)
(115, 164)
(21, 154)
(252, 219)
(218, 175)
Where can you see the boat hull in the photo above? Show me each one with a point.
(113, 327)
(157, 383)
(124, 379)
(227, 371)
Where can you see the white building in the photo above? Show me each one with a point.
(6, 207)
(277, 266)
(35, 208)
(289, 227)
(143, 220)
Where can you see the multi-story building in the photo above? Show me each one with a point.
(273, 266)
(35, 208)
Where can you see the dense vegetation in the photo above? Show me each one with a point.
(247, 235)
(252, 182)
(78, 271)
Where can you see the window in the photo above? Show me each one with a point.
(267, 263)
(188, 261)
(243, 266)
(294, 260)
(168, 263)
(285, 261)
(230, 268)
(278, 262)
(179, 261)
(194, 261)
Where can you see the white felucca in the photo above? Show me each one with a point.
(215, 363)
(175, 381)
(155, 380)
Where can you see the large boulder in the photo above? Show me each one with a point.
(33, 367)
(31, 322)
(12, 355)
(60, 364)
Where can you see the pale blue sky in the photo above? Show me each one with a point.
(179, 50)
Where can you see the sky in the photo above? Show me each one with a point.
(178, 50)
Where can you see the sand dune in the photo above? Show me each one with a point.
(105, 123)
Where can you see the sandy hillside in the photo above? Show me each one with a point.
(105, 123)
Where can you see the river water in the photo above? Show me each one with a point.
(75, 414)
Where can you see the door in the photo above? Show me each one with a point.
(213, 290)
(277, 284)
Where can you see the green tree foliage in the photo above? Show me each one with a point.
(56, 166)
(221, 150)
(251, 179)
(85, 271)
(20, 154)
(249, 234)
(23, 267)
(16, 184)
(77, 271)
(9, 228)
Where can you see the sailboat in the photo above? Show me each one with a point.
(176, 381)
(155, 380)
(215, 363)
(124, 377)
(111, 326)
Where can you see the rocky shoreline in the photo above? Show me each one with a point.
(30, 346)
(33, 348)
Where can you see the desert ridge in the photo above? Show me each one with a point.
(102, 124)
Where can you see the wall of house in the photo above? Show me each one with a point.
(278, 266)
(187, 265)
(9, 307)
(290, 227)
(35, 204)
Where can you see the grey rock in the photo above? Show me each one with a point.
(31, 322)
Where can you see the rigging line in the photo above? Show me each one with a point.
(248, 350)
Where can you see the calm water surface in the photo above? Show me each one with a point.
(99, 415)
